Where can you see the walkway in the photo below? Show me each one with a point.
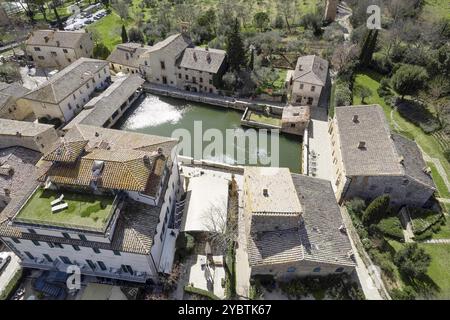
(438, 241)
(208, 98)
(320, 157)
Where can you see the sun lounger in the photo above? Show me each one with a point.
(56, 201)
(59, 207)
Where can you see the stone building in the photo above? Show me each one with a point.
(64, 94)
(305, 84)
(108, 107)
(126, 57)
(159, 63)
(370, 161)
(176, 62)
(200, 69)
(293, 225)
(295, 119)
(58, 49)
(103, 200)
(9, 93)
(34, 136)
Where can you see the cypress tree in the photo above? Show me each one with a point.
(235, 48)
(124, 35)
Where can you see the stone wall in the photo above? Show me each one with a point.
(285, 271)
(401, 189)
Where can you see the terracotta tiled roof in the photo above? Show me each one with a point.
(66, 151)
(122, 170)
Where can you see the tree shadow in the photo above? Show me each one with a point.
(423, 285)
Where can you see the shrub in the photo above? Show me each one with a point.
(391, 227)
(356, 207)
(407, 293)
(376, 210)
(255, 291)
(101, 51)
(412, 261)
(423, 219)
(343, 94)
(201, 292)
(294, 288)
(383, 260)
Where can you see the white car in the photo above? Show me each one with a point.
(5, 258)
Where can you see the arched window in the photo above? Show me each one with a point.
(317, 269)
(340, 269)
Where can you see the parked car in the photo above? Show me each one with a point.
(5, 258)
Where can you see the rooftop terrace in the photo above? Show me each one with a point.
(85, 211)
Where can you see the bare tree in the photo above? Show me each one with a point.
(221, 231)
(343, 55)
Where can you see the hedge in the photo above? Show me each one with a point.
(201, 292)
(391, 227)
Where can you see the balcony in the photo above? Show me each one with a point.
(112, 273)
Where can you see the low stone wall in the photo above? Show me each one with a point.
(210, 164)
(220, 101)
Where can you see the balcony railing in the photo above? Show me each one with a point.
(85, 269)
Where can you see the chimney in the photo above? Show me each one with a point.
(207, 48)
(355, 118)
(7, 192)
(18, 134)
(208, 57)
(147, 161)
(58, 43)
(195, 56)
(265, 192)
(362, 145)
(46, 39)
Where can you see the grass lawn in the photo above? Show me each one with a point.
(257, 117)
(279, 83)
(438, 181)
(86, 211)
(439, 270)
(109, 28)
(427, 142)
